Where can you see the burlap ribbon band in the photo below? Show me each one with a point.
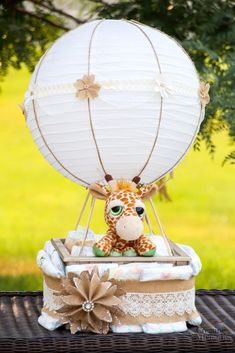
(144, 302)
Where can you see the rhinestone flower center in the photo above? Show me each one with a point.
(88, 306)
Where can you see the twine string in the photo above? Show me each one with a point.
(82, 210)
(41, 132)
(168, 245)
(149, 224)
(87, 225)
(88, 99)
(161, 101)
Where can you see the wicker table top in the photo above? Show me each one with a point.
(20, 332)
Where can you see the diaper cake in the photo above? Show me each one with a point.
(114, 105)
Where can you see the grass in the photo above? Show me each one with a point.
(37, 203)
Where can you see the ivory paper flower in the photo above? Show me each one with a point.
(87, 87)
(90, 302)
(162, 87)
(204, 93)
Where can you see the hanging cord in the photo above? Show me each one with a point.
(40, 129)
(149, 224)
(90, 44)
(161, 227)
(87, 225)
(186, 151)
(94, 137)
(139, 25)
(147, 219)
(88, 99)
(161, 99)
(82, 210)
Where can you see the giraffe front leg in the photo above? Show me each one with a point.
(129, 251)
(104, 246)
(123, 248)
(116, 252)
(144, 246)
(119, 247)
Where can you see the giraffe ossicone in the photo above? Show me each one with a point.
(124, 214)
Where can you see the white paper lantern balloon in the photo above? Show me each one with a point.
(146, 113)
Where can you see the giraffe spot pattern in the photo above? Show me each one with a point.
(111, 241)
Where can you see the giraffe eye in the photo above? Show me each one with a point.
(139, 211)
(116, 210)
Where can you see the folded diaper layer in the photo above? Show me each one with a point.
(160, 297)
(134, 271)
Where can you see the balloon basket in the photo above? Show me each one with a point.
(175, 256)
(158, 293)
(178, 257)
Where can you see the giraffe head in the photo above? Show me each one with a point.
(124, 207)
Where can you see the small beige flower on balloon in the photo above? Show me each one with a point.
(204, 93)
(87, 87)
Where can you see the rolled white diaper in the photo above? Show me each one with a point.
(165, 327)
(126, 328)
(153, 273)
(49, 261)
(46, 265)
(86, 251)
(49, 322)
(196, 322)
(102, 268)
(195, 264)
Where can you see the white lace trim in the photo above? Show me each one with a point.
(158, 85)
(158, 304)
(50, 301)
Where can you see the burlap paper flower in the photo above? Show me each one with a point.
(87, 87)
(91, 302)
(204, 93)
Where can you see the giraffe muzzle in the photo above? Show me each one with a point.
(129, 227)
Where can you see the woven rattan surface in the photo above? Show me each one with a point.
(20, 332)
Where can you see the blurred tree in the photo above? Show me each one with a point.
(205, 28)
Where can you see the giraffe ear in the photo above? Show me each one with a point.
(147, 191)
(98, 191)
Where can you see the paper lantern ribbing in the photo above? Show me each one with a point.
(114, 97)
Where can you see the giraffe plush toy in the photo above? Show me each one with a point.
(124, 214)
